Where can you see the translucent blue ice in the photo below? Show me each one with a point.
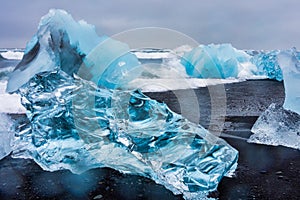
(78, 124)
(290, 65)
(224, 61)
(110, 64)
(215, 61)
(267, 64)
(277, 126)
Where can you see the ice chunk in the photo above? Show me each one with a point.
(291, 73)
(6, 135)
(217, 61)
(77, 126)
(267, 64)
(277, 126)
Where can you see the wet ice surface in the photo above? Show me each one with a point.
(277, 126)
(130, 133)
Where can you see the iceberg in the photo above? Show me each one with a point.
(79, 119)
(224, 61)
(218, 61)
(279, 125)
(291, 72)
(78, 126)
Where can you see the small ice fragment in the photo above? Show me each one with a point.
(277, 126)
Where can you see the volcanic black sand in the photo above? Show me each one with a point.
(264, 172)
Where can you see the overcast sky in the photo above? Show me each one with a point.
(256, 24)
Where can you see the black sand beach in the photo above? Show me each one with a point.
(264, 172)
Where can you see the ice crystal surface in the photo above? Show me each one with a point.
(277, 126)
(77, 126)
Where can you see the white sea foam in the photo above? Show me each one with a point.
(162, 85)
(161, 54)
(16, 55)
(9, 103)
(151, 55)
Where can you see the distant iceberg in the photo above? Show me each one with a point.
(218, 61)
(277, 126)
(267, 64)
(224, 61)
(67, 80)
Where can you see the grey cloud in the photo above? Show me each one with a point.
(246, 24)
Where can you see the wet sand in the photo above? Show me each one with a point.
(264, 172)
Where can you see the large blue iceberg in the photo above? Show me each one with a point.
(79, 123)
